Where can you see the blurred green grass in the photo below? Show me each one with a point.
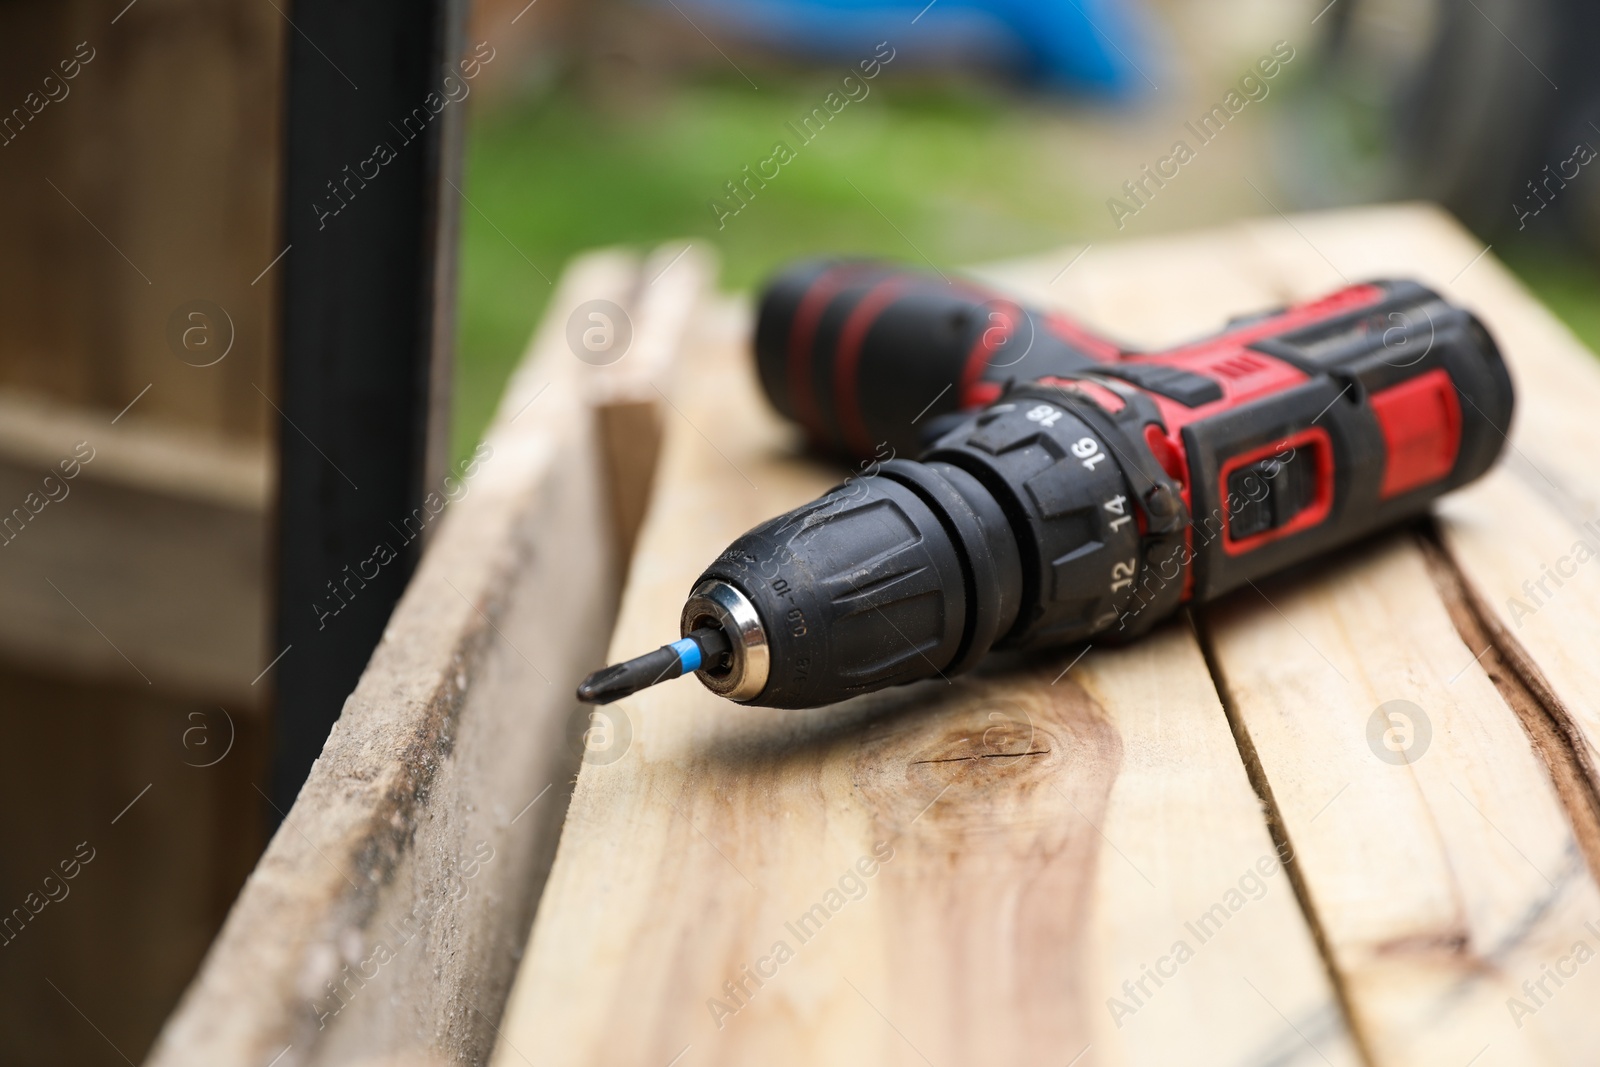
(950, 175)
(953, 175)
(1566, 279)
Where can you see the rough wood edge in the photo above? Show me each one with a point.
(1556, 739)
(358, 810)
(1278, 829)
(1516, 316)
(627, 394)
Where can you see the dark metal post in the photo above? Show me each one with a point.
(372, 143)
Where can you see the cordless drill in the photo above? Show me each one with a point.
(1067, 488)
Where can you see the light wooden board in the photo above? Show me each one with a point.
(1415, 919)
(1444, 875)
(387, 913)
(625, 392)
(1050, 838)
(1516, 877)
(1507, 532)
(1422, 894)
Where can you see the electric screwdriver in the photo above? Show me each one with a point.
(1067, 488)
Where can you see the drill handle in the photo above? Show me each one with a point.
(865, 354)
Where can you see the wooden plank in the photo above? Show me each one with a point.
(156, 789)
(1478, 879)
(984, 864)
(1546, 625)
(385, 916)
(1412, 920)
(146, 181)
(1443, 874)
(168, 143)
(624, 389)
(133, 553)
(1529, 516)
(1477, 884)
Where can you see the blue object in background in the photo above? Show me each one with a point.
(1094, 47)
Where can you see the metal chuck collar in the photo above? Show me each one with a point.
(741, 674)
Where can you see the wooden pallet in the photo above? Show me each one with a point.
(1190, 850)
(388, 913)
(1198, 849)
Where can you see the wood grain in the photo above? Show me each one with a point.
(1436, 856)
(1051, 858)
(1478, 880)
(386, 914)
(147, 567)
(955, 872)
(1508, 531)
(166, 143)
(149, 180)
(1412, 920)
(625, 393)
(1434, 888)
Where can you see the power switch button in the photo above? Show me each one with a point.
(1270, 493)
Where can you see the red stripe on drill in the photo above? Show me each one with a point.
(981, 395)
(802, 339)
(1093, 390)
(1421, 424)
(1244, 373)
(1351, 298)
(846, 397)
(988, 343)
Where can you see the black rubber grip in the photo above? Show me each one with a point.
(868, 357)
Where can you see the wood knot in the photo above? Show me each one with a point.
(986, 756)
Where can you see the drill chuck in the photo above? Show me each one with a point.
(906, 574)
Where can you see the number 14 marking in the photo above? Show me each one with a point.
(1118, 505)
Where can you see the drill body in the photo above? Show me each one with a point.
(1066, 488)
